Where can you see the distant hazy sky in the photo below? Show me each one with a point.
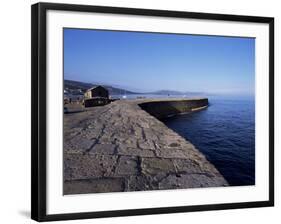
(149, 61)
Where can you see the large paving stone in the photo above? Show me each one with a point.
(78, 144)
(146, 144)
(191, 181)
(135, 152)
(77, 166)
(172, 153)
(186, 166)
(141, 183)
(108, 149)
(94, 186)
(154, 166)
(127, 166)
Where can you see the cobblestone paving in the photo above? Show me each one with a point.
(120, 147)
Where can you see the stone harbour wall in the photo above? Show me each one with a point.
(121, 147)
(162, 109)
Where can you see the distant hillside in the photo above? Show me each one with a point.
(175, 93)
(76, 87)
(166, 92)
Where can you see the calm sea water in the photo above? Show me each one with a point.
(225, 134)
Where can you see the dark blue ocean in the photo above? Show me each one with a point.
(225, 134)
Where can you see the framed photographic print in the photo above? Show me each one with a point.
(140, 111)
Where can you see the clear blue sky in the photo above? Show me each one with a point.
(150, 61)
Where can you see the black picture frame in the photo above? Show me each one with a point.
(38, 108)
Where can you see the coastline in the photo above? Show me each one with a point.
(123, 146)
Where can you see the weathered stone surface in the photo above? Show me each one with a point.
(186, 166)
(94, 185)
(78, 144)
(148, 144)
(135, 152)
(172, 153)
(141, 183)
(154, 166)
(79, 166)
(120, 147)
(127, 166)
(191, 181)
(108, 149)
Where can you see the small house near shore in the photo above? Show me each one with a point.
(96, 96)
(96, 91)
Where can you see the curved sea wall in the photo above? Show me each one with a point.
(120, 147)
(166, 108)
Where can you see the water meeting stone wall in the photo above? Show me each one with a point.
(165, 108)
